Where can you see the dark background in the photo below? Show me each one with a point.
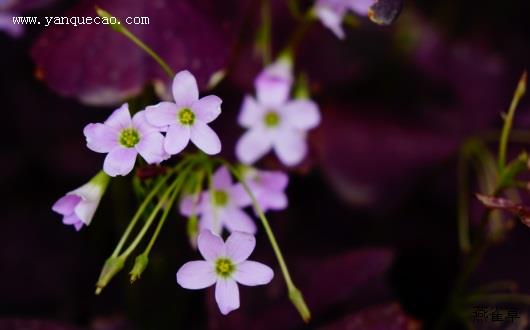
(370, 233)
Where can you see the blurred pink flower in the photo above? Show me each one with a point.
(225, 265)
(123, 139)
(273, 120)
(221, 206)
(268, 187)
(187, 118)
(331, 12)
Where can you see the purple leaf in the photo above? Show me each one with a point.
(383, 317)
(99, 66)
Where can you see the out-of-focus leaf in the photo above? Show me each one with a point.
(99, 66)
(355, 277)
(384, 317)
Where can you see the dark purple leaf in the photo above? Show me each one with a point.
(99, 66)
(356, 277)
(383, 317)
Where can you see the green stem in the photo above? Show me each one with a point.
(294, 293)
(143, 206)
(508, 122)
(161, 222)
(137, 215)
(175, 186)
(298, 35)
(123, 30)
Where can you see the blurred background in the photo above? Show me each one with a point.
(370, 234)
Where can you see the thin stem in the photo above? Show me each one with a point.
(176, 185)
(143, 206)
(163, 218)
(123, 30)
(508, 121)
(298, 35)
(137, 215)
(294, 294)
(265, 32)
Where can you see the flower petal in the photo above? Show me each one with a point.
(253, 145)
(209, 221)
(205, 138)
(177, 138)
(66, 204)
(120, 161)
(101, 137)
(290, 147)
(239, 196)
(207, 108)
(302, 114)
(151, 148)
(251, 112)
(211, 245)
(239, 246)
(188, 207)
(253, 273)
(273, 84)
(273, 180)
(361, 7)
(141, 124)
(120, 118)
(161, 114)
(85, 210)
(196, 275)
(273, 201)
(185, 90)
(74, 221)
(227, 295)
(331, 14)
(237, 220)
(221, 178)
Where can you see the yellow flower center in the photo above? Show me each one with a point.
(129, 137)
(271, 119)
(186, 117)
(224, 267)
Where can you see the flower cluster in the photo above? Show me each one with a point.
(123, 137)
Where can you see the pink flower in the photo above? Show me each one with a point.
(78, 206)
(123, 138)
(221, 206)
(274, 121)
(187, 118)
(268, 188)
(225, 265)
(331, 12)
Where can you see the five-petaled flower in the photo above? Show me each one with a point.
(225, 265)
(187, 117)
(221, 206)
(268, 187)
(78, 206)
(273, 120)
(123, 139)
(331, 12)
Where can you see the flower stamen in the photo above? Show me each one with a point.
(186, 117)
(220, 198)
(224, 267)
(271, 119)
(129, 137)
